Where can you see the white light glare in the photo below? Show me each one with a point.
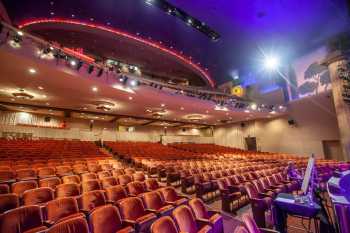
(271, 62)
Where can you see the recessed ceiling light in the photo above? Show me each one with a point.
(162, 105)
(73, 63)
(47, 104)
(246, 111)
(182, 108)
(44, 96)
(20, 33)
(273, 112)
(32, 71)
(94, 89)
(207, 111)
(227, 114)
(130, 98)
(12, 99)
(50, 110)
(84, 108)
(40, 88)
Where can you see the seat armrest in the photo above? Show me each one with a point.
(151, 211)
(48, 223)
(202, 222)
(260, 203)
(86, 212)
(205, 229)
(267, 230)
(126, 230)
(212, 212)
(129, 222)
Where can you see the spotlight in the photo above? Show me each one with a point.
(100, 72)
(90, 69)
(20, 33)
(134, 83)
(253, 106)
(73, 62)
(271, 63)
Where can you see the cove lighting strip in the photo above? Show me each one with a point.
(120, 33)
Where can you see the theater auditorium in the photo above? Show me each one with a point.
(175, 116)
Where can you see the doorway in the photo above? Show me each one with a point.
(250, 143)
(332, 150)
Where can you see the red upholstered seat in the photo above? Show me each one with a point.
(74, 225)
(164, 225)
(107, 219)
(186, 221)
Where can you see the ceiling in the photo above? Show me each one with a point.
(55, 88)
(247, 27)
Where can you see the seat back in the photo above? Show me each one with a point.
(51, 182)
(164, 225)
(109, 182)
(152, 184)
(46, 171)
(21, 219)
(20, 187)
(60, 208)
(198, 208)
(250, 224)
(135, 188)
(25, 173)
(38, 196)
(67, 190)
(241, 229)
(152, 200)
(105, 219)
(169, 194)
(90, 185)
(92, 199)
(124, 179)
(343, 216)
(185, 219)
(251, 190)
(116, 193)
(4, 188)
(8, 201)
(74, 225)
(71, 179)
(88, 176)
(131, 208)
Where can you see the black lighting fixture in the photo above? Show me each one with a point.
(79, 65)
(90, 69)
(170, 9)
(100, 72)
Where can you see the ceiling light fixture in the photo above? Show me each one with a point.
(253, 106)
(20, 33)
(40, 88)
(32, 71)
(94, 89)
(130, 98)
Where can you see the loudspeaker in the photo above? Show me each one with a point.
(47, 119)
(242, 124)
(291, 122)
(183, 130)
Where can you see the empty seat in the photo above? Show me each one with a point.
(103, 174)
(7, 176)
(129, 171)
(4, 188)
(164, 225)
(213, 218)
(135, 188)
(230, 195)
(67, 190)
(109, 182)
(88, 176)
(152, 184)
(72, 179)
(117, 172)
(115, 194)
(64, 170)
(90, 185)
(22, 219)
(74, 225)
(139, 176)
(51, 182)
(38, 196)
(80, 169)
(170, 196)
(8, 201)
(124, 179)
(90, 200)
(133, 212)
(107, 219)
(94, 168)
(154, 203)
(186, 221)
(26, 174)
(21, 186)
(61, 209)
(106, 167)
(46, 172)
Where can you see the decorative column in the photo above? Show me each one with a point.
(338, 66)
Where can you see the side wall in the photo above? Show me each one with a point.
(315, 121)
